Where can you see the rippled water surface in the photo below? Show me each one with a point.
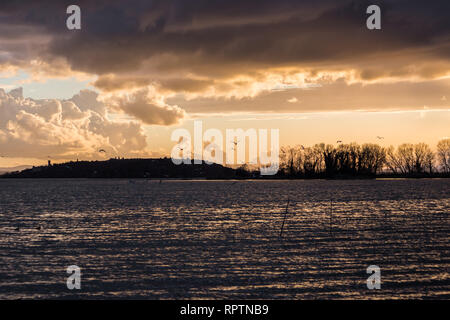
(221, 239)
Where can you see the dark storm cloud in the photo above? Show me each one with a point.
(120, 35)
(198, 45)
(220, 37)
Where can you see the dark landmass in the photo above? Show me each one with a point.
(130, 168)
(166, 169)
(13, 169)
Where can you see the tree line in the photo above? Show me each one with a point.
(369, 159)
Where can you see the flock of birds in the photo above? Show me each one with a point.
(235, 142)
(340, 142)
(378, 137)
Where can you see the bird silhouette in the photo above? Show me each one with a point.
(339, 141)
(235, 142)
(380, 138)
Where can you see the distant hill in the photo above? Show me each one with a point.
(12, 169)
(129, 168)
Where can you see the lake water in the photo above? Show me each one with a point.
(221, 239)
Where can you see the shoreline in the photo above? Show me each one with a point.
(225, 179)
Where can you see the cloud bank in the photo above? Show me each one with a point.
(65, 129)
(158, 62)
(234, 49)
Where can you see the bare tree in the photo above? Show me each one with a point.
(366, 159)
(312, 159)
(392, 160)
(372, 158)
(423, 158)
(343, 158)
(406, 155)
(409, 158)
(354, 150)
(291, 160)
(330, 159)
(443, 154)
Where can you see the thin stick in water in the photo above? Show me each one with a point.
(285, 215)
(331, 217)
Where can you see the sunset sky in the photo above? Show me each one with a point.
(137, 70)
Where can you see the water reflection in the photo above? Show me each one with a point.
(220, 239)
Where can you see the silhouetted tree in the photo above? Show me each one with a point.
(372, 158)
(409, 158)
(330, 159)
(368, 159)
(290, 160)
(343, 159)
(424, 158)
(401, 160)
(354, 150)
(312, 160)
(443, 155)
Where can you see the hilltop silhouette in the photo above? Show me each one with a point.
(130, 168)
(319, 161)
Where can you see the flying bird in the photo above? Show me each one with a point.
(235, 142)
(339, 141)
(102, 151)
(378, 137)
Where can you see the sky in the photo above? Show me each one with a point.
(137, 70)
